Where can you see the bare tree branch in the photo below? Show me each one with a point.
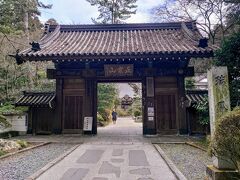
(211, 15)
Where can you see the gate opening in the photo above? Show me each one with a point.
(119, 109)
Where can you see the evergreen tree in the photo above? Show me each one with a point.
(107, 95)
(113, 11)
(234, 11)
(19, 24)
(229, 55)
(20, 15)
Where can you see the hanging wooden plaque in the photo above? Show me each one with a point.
(118, 70)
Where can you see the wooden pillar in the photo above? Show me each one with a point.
(149, 115)
(90, 101)
(34, 121)
(183, 127)
(30, 121)
(94, 107)
(57, 121)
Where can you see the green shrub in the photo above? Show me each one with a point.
(122, 113)
(228, 55)
(226, 139)
(99, 118)
(203, 111)
(106, 115)
(3, 122)
(189, 83)
(22, 143)
(101, 121)
(107, 94)
(130, 111)
(9, 108)
(137, 113)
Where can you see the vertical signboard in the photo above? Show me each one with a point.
(150, 98)
(150, 86)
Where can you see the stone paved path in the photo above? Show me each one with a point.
(110, 162)
(126, 131)
(123, 126)
(127, 156)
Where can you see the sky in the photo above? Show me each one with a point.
(124, 89)
(81, 12)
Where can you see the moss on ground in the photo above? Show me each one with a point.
(203, 143)
(2, 153)
(22, 143)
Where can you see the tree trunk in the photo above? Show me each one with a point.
(26, 26)
(26, 31)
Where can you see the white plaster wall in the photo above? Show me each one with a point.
(18, 123)
(5, 129)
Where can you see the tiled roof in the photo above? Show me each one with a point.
(36, 99)
(104, 41)
(126, 100)
(196, 96)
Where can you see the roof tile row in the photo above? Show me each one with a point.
(36, 99)
(87, 40)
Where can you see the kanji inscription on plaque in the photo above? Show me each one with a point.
(118, 70)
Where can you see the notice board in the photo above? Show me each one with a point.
(88, 121)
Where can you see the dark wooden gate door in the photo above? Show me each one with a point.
(43, 118)
(166, 113)
(73, 113)
(73, 105)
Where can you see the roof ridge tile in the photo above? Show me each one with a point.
(121, 27)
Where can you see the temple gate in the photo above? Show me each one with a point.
(157, 55)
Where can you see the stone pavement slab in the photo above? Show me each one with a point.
(123, 126)
(111, 162)
(118, 151)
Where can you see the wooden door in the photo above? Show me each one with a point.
(166, 113)
(73, 105)
(43, 119)
(73, 114)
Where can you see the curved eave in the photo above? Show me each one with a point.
(118, 56)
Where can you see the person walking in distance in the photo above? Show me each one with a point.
(114, 117)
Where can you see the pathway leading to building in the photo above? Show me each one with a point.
(130, 157)
(124, 126)
(111, 162)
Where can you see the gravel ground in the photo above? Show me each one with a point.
(24, 164)
(189, 160)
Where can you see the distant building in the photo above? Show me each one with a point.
(195, 97)
(126, 102)
(201, 82)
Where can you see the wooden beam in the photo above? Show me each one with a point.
(57, 122)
